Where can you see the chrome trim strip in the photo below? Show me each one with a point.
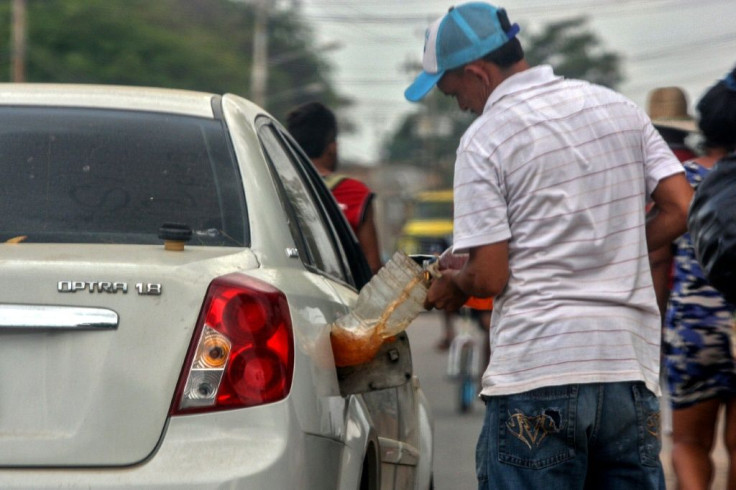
(56, 317)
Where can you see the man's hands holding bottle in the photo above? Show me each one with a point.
(444, 293)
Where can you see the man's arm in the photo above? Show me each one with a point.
(672, 198)
(484, 275)
(368, 239)
(660, 261)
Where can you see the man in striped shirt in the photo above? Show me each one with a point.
(551, 183)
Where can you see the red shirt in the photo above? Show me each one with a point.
(684, 154)
(353, 196)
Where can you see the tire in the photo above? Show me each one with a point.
(369, 478)
(467, 394)
(466, 385)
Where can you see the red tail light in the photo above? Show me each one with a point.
(242, 352)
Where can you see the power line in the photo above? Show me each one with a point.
(677, 49)
(357, 26)
(607, 7)
(637, 5)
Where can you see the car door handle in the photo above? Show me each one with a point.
(42, 317)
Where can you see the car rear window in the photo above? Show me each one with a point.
(109, 176)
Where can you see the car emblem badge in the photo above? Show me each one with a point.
(142, 288)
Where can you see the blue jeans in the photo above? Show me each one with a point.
(586, 436)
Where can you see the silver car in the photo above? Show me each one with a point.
(170, 264)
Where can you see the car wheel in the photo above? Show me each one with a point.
(369, 475)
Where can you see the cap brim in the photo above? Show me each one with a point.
(684, 125)
(422, 85)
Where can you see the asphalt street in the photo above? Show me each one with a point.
(456, 433)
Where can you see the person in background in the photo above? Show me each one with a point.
(701, 371)
(550, 186)
(314, 127)
(668, 109)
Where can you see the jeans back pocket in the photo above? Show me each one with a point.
(649, 425)
(536, 429)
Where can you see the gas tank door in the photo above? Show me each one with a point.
(391, 367)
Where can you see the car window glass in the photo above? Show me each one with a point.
(105, 176)
(357, 270)
(315, 235)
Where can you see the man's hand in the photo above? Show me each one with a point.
(444, 294)
(484, 274)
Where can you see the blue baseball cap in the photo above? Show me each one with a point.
(464, 34)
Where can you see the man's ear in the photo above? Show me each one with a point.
(332, 148)
(330, 154)
(478, 70)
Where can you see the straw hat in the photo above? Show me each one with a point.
(667, 108)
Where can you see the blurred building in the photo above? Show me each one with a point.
(395, 186)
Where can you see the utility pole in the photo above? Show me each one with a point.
(259, 69)
(19, 41)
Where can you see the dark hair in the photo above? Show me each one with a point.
(313, 126)
(717, 109)
(509, 53)
(506, 55)
(672, 135)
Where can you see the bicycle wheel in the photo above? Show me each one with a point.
(466, 381)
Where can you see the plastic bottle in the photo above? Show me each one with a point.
(385, 306)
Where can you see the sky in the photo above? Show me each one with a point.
(686, 43)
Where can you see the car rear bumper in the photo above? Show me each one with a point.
(197, 454)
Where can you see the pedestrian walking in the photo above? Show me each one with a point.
(701, 371)
(550, 186)
(667, 108)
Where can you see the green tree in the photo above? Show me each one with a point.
(568, 45)
(429, 136)
(190, 44)
(574, 52)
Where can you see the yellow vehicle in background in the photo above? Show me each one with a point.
(428, 229)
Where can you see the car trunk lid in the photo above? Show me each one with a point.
(92, 342)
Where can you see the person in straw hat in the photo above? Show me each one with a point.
(667, 108)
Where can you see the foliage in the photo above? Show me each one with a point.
(574, 52)
(429, 137)
(568, 46)
(190, 44)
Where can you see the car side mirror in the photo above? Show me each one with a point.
(391, 367)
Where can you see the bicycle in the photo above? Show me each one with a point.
(466, 358)
(467, 355)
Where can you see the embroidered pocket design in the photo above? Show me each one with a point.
(653, 424)
(533, 430)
